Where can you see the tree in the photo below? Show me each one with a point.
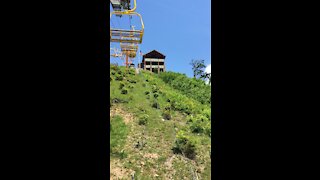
(198, 68)
(206, 76)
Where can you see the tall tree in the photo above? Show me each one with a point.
(198, 68)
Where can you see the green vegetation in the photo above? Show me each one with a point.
(194, 88)
(165, 126)
(118, 134)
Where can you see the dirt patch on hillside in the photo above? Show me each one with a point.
(151, 156)
(118, 110)
(118, 172)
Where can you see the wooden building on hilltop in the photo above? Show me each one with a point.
(153, 61)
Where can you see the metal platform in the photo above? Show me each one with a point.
(131, 36)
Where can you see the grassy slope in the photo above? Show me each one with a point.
(154, 160)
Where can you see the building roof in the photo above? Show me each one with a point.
(154, 54)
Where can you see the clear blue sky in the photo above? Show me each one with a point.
(179, 29)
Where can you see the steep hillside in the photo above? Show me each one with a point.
(158, 130)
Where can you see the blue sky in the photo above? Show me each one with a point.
(179, 29)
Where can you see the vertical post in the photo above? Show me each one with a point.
(127, 59)
(158, 67)
(144, 67)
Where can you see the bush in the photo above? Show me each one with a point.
(166, 115)
(155, 89)
(197, 127)
(199, 124)
(131, 86)
(143, 119)
(142, 109)
(156, 105)
(155, 95)
(207, 112)
(185, 145)
(167, 107)
(121, 86)
(124, 91)
(131, 71)
(119, 78)
(119, 72)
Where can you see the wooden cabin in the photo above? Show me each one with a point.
(153, 61)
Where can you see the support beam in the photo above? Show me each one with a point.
(127, 54)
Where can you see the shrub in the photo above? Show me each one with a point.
(131, 71)
(143, 119)
(119, 72)
(185, 145)
(124, 91)
(196, 127)
(119, 77)
(199, 124)
(131, 86)
(167, 107)
(155, 89)
(156, 105)
(207, 112)
(121, 85)
(142, 109)
(166, 115)
(147, 92)
(155, 95)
